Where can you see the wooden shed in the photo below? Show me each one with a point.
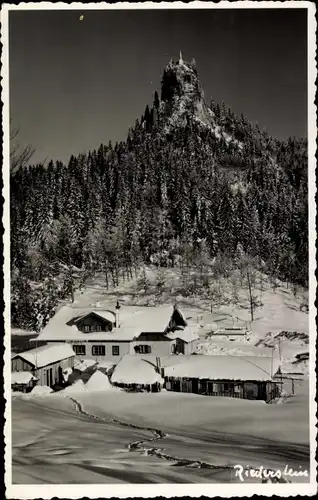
(22, 381)
(250, 389)
(46, 363)
(247, 377)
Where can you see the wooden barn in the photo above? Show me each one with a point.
(46, 363)
(248, 377)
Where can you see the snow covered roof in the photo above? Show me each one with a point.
(61, 318)
(108, 315)
(21, 377)
(231, 331)
(136, 370)
(148, 319)
(71, 333)
(47, 354)
(189, 334)
(132, 320)
(70, 312)
(290, 369)
(256, 368)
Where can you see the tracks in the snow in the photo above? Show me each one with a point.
(153, 451)
(140, 445)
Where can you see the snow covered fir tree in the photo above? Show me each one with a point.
(191, 180)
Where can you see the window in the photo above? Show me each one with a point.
(115, 350)
(86, 328)
(80, 350)
(98, 328)
(143, 349)
(49, 377)
(98, 350)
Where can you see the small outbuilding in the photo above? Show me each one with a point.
(231, 333)
(290, 375)
(22, 381)
(45, 363)
(134, 373)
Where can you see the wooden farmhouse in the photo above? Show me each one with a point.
(45, 363)
(109, 335)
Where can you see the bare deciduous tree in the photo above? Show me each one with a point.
(214, 296)
(248, 271)
(251, 298)
(19, 156)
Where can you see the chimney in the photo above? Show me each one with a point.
(117, 315)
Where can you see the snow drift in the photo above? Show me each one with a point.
(135, 370)
(78, 386)
(98, 382)
(41, 390)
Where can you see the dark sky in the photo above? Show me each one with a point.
(75, 84)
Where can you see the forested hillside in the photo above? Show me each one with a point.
(190, 180)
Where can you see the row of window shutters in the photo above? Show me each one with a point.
(100, 350)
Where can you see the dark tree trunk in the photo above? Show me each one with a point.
(250, 295)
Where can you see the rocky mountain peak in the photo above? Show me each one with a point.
(180, 78)
(182, 95)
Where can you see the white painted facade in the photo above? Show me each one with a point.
(102, 335)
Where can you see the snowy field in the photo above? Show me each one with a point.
(54, 443)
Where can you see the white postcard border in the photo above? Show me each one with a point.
(166, 490)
